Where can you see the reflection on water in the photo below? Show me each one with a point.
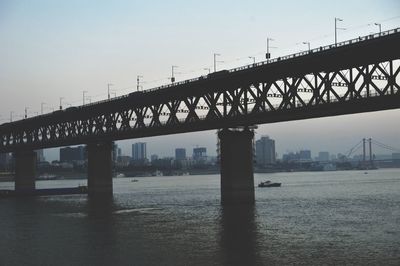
(238, 235)
(100, 206)
(336, 218)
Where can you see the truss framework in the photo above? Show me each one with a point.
(232, 104)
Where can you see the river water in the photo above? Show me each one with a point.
(315, 218)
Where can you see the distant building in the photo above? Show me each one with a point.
(70, 154)
(123, 161)
(153, 157)
(114, 152)
(305, 155)
(396, 157)
(139, 151)
(323, 156)
(5, 160)
(180, 154)
(40, 156)
(199, 153)
(265, 151)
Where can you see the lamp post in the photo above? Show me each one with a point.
(336, 28)
(61, 98)
(26, 112)
(380, 27)
(268, 55)
(83, 97)
(308, 43)
(172, 73)
(108, 89)
(138, 82)
(41, 107)
(215, 61)
(11, 115)
(254, 59)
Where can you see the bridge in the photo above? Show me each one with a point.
(358, 75)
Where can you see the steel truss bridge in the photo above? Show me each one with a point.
(355, 76)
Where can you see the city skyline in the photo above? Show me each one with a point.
(52, 154)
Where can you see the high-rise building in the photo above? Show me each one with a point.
(5, 159)
(114, 152)
(265, 151)
(199, 153)
(305, 155)
(323, 156)
(70, 154)
(180, 154)
(40, 156)
(139, 151)
(153, 157)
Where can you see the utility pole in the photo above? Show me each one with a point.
(138, 82)
(108, 89)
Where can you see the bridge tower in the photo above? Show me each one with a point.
(25, 171)
(100, 168)
(236, 160)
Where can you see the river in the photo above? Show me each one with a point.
(315, 218)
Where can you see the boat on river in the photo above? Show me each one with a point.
(269, 184)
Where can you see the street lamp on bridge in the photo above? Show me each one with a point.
(172, 73)
(254, 59)
(215, 61)
(308, 44)
(83, 97)
(41, 107)
(380, 27)
(138, 82)
(61, 98)
(108, 89)
(336, 28)
(268, 54)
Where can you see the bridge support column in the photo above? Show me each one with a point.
(25, 171)
(99, 168)
(236, 156)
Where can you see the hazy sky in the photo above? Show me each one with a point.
(52, 49)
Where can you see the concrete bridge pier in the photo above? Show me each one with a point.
(25, 171)
(236, 157)
(100, 168)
